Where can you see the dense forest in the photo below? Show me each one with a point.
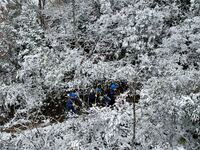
(146, 51)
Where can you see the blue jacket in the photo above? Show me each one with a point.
(69, 105)
(113, 86)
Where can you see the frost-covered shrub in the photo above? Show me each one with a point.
(195, 7)
(184, 42)
(165, 108)
(190, 106)
(21, 36)
(102, 128)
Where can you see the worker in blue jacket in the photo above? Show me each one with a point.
(111, 93)
(70, 103)
(91, 97)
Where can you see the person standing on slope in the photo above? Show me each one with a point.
(70, 103)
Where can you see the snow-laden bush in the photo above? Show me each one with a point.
(167, 112)
(184, 42)
(103, 128)
(21, 36)
(190, 107)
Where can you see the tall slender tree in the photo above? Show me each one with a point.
(74, 19)
(41, 16)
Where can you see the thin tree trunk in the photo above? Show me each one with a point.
(41, 16)
(173, 123)
(134, 117)
(74, 19)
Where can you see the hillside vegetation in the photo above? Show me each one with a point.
(51, 47)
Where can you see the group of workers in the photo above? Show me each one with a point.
(98, 95)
